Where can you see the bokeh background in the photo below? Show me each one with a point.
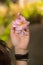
(32, 10)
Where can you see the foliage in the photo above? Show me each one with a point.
(39, 7)
(31, 8)
(31, 11)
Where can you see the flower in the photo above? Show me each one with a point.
(20, 24)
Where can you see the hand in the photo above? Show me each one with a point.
(19, 42)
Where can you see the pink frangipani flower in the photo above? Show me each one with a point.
(20, 24)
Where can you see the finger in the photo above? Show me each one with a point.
(27, 32)
(13, 33)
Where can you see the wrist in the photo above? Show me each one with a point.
(21, 55)
(20, 51)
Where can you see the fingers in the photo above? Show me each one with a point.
(23, 32)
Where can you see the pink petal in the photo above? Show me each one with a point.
(18, 27)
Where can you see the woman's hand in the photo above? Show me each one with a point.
(19, 42)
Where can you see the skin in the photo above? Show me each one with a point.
(20, 44)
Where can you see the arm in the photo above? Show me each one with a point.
(21, 63)
(20, 44)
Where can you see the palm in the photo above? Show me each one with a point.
(20, 41)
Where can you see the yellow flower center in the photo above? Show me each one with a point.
(22, 23)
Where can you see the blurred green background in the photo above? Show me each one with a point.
(31, 10)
